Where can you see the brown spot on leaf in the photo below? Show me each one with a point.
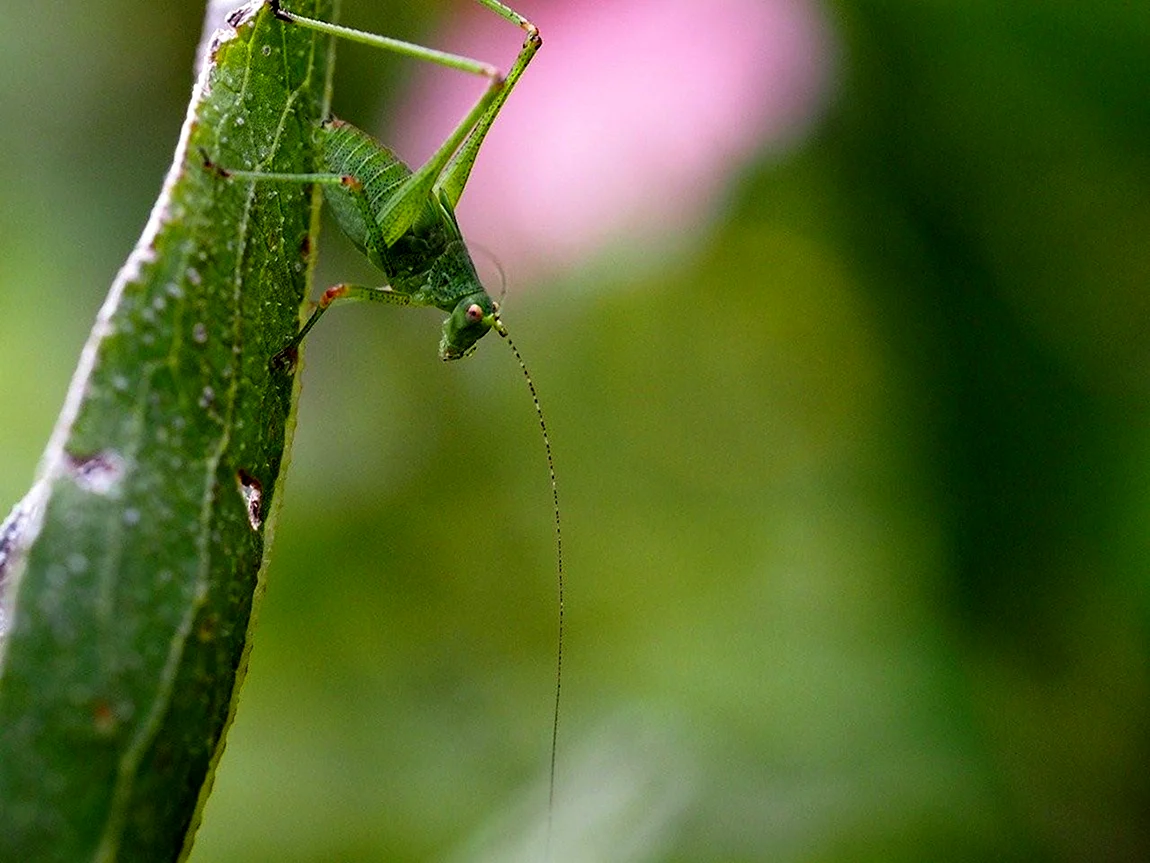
(99, 472)
(208, 628)
(252, 493)
(104, 719)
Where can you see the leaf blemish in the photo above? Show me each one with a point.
(12, 535)
(104, 719)
(208, 628)
(99, 473)
(252, 493)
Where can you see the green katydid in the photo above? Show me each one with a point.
(404, 222)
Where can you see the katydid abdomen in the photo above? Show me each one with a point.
(430, 262)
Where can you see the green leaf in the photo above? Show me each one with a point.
(132, 568)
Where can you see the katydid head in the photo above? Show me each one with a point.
(469, 321)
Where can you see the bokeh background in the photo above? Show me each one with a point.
(839, 315)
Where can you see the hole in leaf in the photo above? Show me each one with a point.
(253, 494)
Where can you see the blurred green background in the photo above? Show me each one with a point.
(855, 493)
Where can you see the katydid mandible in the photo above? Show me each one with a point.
(404, 222)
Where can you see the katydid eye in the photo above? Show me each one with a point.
(474, 313)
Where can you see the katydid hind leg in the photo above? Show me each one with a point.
(454, 177)
(446, 171)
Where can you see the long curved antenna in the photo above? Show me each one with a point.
(502, 330)
(490, 255)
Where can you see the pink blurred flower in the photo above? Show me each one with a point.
(632, 121)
